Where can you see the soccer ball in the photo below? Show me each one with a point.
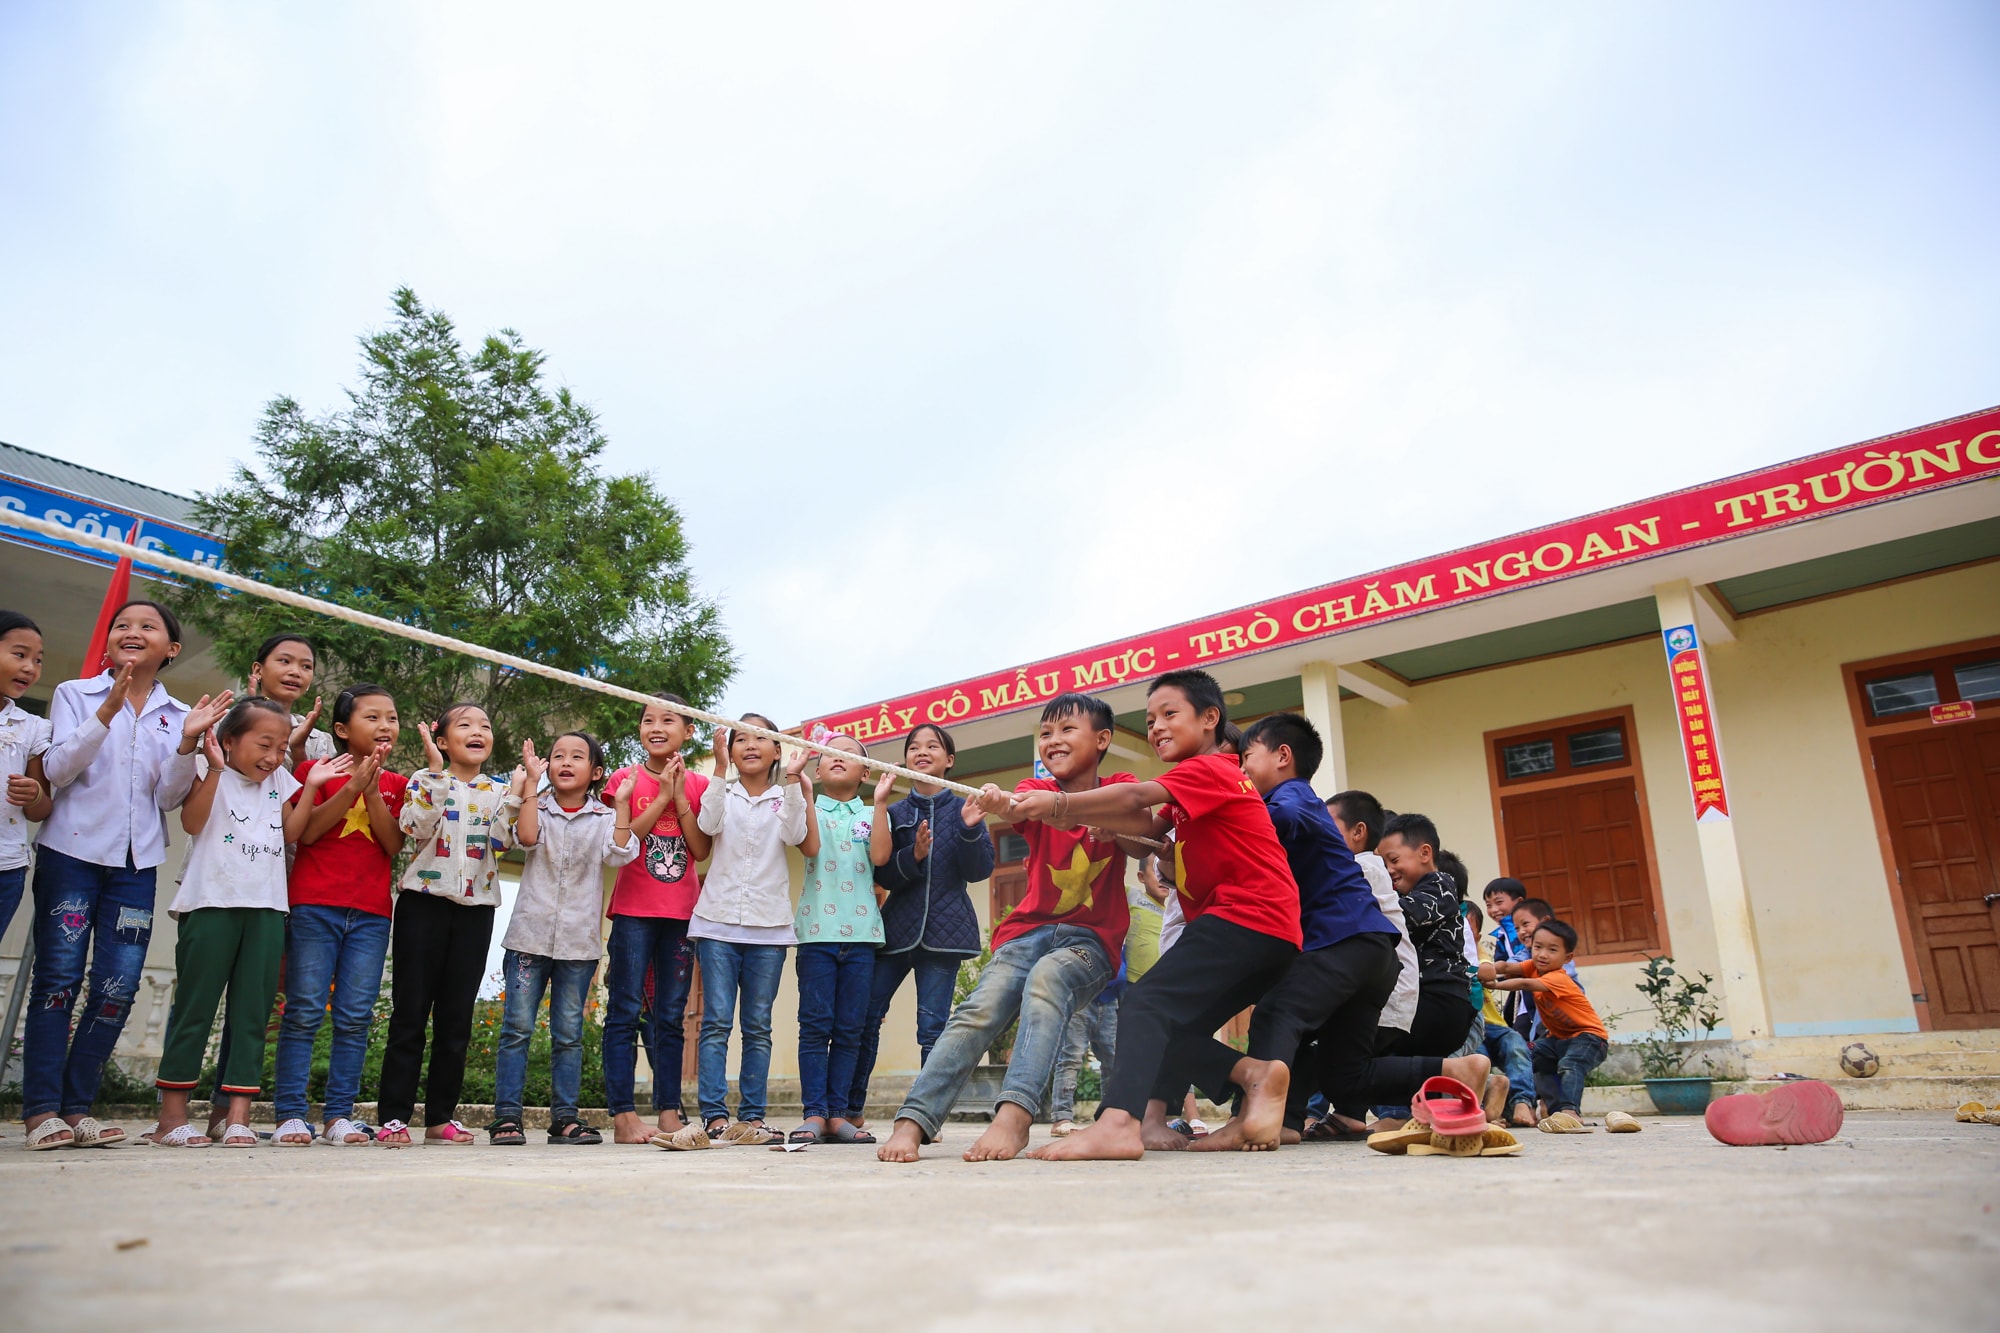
(1859, 1061)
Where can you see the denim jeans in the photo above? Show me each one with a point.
(727, 970)
(104, 913)
(1095, 1028)
(937, 979)
(1509, 1052)
(333, 961)
(12, 882)
(526, 976)
(637, 943)
(1042, 978)
(836, 981)
(1562, 1065)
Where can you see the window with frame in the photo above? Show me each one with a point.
(1897, 694)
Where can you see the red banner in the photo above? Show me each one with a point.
(1697, 719)
(1963, 449)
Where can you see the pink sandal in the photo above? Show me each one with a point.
(452, 1132)
(1449, 1108)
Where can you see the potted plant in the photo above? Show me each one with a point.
(1685, 1011)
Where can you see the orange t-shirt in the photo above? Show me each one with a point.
(1566, 1011)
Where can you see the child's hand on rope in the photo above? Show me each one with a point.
(885, 788)
(992, 800)
(1026, 805)
(795, 766)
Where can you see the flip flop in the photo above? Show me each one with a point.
(1396, 1142)
(688, 1138)
(803, 1135)
(849, 1134)
(43, 1136)
(1563, 1122)
(1972, 1113)
(1622, 1122)
(88, 1133)
(181, 1136)
(239, 1136)
(1807, 1111)
(1448, 1107)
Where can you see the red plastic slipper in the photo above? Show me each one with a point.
(1806, 1111)
(1449, 1108)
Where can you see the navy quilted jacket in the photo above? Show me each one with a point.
(928, 904)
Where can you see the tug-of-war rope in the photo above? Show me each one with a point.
(206, 574)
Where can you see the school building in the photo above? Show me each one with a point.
(1754, 725)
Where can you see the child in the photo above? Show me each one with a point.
(1529, 914)
(741, 927)
(337, 934)
(23, 739)
(121, 756)
(462, 821)
(1051, 955)
(231, 911)
(283, 671)
(651, 901)
(1243, 930)
(1576, 1040)
(839, 927)
(1360, 819)
(926, 847)
(1507, 1048)
(1333, 992)
(552, 943)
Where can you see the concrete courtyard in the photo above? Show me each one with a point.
(1890, 1226)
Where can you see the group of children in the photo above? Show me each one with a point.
(1339, 924)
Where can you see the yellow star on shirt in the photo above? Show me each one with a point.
(1076, 882)
(1180, 871)
(356, 821)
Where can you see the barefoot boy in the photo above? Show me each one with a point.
(1243, 930)
(1051, 956)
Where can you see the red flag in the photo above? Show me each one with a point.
(115, 597)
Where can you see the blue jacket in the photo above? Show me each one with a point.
(928, 904)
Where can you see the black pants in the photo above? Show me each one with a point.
(1405, 1059)
(438, 959)
(1167, 1022)
(1320, 1018)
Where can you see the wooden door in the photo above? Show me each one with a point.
(1581, 847)
(1941, 797)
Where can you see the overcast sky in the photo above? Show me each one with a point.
(966, 334)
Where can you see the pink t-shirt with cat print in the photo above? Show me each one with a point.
(661, 880)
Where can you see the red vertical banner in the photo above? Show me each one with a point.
(95, 658)
(1697, 721)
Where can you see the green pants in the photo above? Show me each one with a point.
(238, 949)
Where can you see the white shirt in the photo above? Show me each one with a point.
(1401, 1010)
(748, 882)
(238, 858)
(22, 737)
(1173, 922)
(559, 904)
(114, 784)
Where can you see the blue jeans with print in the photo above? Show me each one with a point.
(836, 982)
(83, 911)
(937, 980)
(727, 970)
(333, 964)
(638, 943)
(1508, 1050)
(526, 976)
(1042, 978)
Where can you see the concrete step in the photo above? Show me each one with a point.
(1973, 1053)
(1922, 1092)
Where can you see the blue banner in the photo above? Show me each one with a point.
(94, 519)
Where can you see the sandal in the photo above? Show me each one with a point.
(804, 1136)
(393, 1134)
(751, 1134)
(688, 1138)
(574, 1132)
(88, 1133)
(43, 1136)
(1062, 1129)
(181, 1136)
(506, 1133)
(1493, 1143)
(1972, 1113)
(849, 1132)
(284, 1137)
(240, 1136)
(1397, 1142)
(452, 1132)
(337, 1133)
(1563, 1122)
(1622, 1122)
(1448, 1107)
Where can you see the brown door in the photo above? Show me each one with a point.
(1941, 795)
(1581, 848)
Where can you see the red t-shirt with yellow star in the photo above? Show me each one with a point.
(1073, 878)
(347, 867)
(1227, 857)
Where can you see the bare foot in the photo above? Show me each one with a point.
(1471, 1070)
(627, 1127)
(1156, 1135)
(1523, 1116)
(672, 1122)
(1113, 1137)
(1003, 1139)
(1264, 1084)
(1290, 1136)
(903, 1143)
(1494, 1103)
(218, 1121)
(1348, 1124)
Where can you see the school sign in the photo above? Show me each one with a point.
(1930, 457)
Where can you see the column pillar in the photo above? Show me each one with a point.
(1319, 682)
(1742, 978)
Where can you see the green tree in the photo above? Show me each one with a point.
(458, 493)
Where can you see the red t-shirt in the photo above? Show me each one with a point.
(661, 880)
(1227, 857)
(1073, 878)
(347, 867)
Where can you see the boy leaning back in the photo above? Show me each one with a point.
(1242, 908)
(1051, 955)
